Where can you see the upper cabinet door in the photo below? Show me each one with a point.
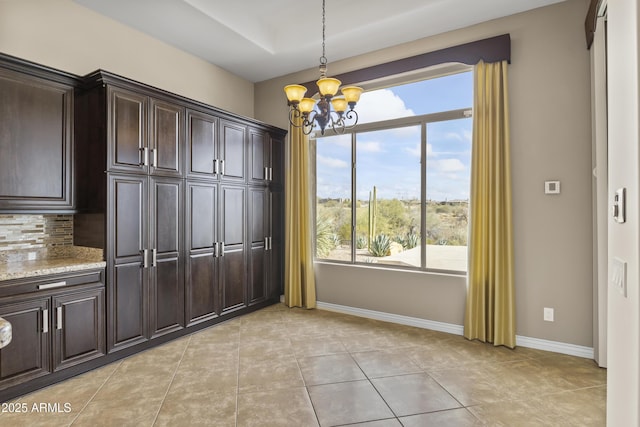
(128, 132)
(36, 143)
(232, 151)
(260, 146)
(166, 142)
(202, 151)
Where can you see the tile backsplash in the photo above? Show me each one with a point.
(26, 232)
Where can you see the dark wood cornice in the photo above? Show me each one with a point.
(37, 70)
(490, 50)
(591, 21)
(102, 77)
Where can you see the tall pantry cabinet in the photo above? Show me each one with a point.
(180, 196)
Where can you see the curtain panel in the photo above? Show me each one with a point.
(299, 280)
(490, 305)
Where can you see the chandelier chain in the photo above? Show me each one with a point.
(323, 58)
(335, 112)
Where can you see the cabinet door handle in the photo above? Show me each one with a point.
(154, 158)
(45, 321)
(266, 243)
(270, 243)
(145, 263)
(215, 249)
(145, 156)
(221, 167)
(154, 261)
(215, 167)
(59, 318)
(221, 248)
(270, 174)
(266, 173)
(52, 285)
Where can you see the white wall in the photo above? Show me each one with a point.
(551, 139)
(67, 36)
(623, 376)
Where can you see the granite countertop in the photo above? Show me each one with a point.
(20, 264)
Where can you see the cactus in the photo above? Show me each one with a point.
(373, 215)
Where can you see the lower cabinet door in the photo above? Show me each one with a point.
(202, 288)
(127, 307)
(27, 355)
(79, 331)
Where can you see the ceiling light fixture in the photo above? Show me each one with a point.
(321, 112)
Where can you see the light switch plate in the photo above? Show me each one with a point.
(619, 275)
(552, 187)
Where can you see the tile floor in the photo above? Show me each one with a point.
(294, 367)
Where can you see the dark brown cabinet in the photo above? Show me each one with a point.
(216, 240)
(36, 138)
(145, 297)
(27, 356)
(260, 147)
(53, 329)
(166, 274)
(233, 254)
(260, 241)
(79, 327)
(216, 148)
(146, 134)
(202, 270)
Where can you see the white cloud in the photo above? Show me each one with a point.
(381, 105)
(368, 146)
(339, 140)
(416, 152)
(448, 165)
(462, 136)
(331, 162)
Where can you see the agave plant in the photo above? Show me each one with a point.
(361, 242)
(380, 245)
(411, 241)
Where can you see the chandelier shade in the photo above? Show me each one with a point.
(338, 112)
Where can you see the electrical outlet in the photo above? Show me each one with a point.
(548, 314)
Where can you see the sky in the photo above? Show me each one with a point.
(390, 159)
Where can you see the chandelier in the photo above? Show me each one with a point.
(329, 110)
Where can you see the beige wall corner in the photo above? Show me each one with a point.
(67, 36)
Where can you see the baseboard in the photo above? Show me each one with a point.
(539, 344)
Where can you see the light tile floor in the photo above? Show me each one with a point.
(294, 367)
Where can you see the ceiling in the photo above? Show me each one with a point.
(262, 39)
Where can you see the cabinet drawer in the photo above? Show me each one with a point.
(55, 282)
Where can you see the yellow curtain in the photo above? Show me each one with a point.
(490, 308)
(299, 281)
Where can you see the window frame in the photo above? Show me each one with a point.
(422, 121)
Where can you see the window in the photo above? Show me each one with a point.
(394, 191)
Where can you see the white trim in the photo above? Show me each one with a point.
(393, 318)
(539, 344)
(555, 346)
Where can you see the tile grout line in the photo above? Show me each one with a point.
(374, 387)
(96, 392)
(306, 388)
(171, 382)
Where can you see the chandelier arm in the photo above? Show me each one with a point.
(294, 113)
(337, 122)
(352, 115)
